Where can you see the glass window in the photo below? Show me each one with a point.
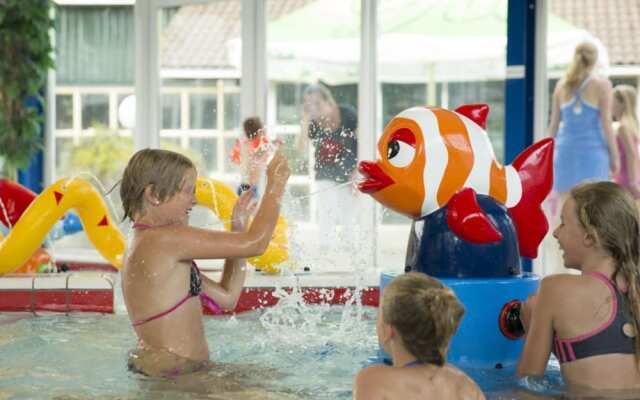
(64, 111)
(315, 74)
(95, 110)
(231, 111)
(64, 147)
(289, 98)
(229, 166)
(400, 96)
(170, 111)
(207, 151)
(203, 110)
(299, 209)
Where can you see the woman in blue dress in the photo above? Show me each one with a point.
(585, 148)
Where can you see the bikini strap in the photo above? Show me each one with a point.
(162, 314)
(415, 363)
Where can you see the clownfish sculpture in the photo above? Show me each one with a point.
(438, 164)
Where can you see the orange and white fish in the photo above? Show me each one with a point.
(433, 157)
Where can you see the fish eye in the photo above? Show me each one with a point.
(399, 153)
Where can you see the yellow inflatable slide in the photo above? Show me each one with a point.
(29, 232)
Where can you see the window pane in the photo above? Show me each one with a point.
(203, 111)
(95, 110)
(170, 111)
(64, 111)
(229, 166)
(207, 150)
(317, 115)
(289, 98)
(231, 111)
(300, 199)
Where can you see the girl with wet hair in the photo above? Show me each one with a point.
(416, 320)
(163, 289)
(624, 112)
(590, 321)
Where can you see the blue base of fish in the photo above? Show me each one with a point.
(479, 343)
(437, 251)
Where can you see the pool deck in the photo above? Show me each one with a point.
(91, 286)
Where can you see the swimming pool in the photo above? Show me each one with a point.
(308, 352)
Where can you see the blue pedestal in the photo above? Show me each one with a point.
(479, 343)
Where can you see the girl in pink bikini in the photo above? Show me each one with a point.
(162, 287)
(590, 321)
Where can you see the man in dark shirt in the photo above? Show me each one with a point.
(332, 129)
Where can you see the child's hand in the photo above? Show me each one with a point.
(278, 170)
(242, 211)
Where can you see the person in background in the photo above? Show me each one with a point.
(590, 321)
(417, 317)
(162, 286)
(251, 152)
(332, 129)
(580, 122)
(625, 114)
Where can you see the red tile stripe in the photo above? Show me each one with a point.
(101, 300)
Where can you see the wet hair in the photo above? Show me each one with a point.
(626, 95)
(584, 59)
(163, 170)
(424, 312)
(610, 216)
(320, 90)
(251, 127)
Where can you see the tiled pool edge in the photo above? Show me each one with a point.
(93, 291)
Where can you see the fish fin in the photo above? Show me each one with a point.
(476, 112)
(467, 220)
(534, 166)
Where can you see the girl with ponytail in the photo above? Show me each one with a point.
(580, 121)
(590, 321)
(417, 317)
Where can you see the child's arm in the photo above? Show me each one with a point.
(184, 242)
(228, 291)
(554, 120)
(539, 336)
(605, 117)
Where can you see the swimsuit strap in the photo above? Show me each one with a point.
(162, 314)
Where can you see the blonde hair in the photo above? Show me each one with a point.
(610, 215)
(584, 59)
(163, 170)
(626, 95)
(424, 312)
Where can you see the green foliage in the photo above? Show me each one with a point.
(25, 58)
(103, 154)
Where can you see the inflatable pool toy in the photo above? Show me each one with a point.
(473, 217)
(32, 224)
(47, 208)
(220, 199)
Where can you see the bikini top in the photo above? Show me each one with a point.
(195, 289)
(609, 338)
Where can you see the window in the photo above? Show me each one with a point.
(64, 111)
(203, 111)
(95, 110)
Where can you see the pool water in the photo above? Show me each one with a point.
(301, 354)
